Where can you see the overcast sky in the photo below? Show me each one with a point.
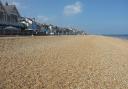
(94, 16)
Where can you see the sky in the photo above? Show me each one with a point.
(92, 16)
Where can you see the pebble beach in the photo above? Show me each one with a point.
(63, 62)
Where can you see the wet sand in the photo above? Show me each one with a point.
(63, 62)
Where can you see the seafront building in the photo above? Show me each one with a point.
(30, 25)
(9, 17)
(9, 14)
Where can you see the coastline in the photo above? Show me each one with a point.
(124, 37)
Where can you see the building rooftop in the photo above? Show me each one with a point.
(9, 9)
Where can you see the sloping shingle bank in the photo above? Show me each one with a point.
(63, 62)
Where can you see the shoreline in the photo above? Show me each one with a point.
(19, 36)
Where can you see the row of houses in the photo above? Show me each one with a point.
(56, 30)
(12, 23)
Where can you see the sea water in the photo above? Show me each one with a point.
(119, 36)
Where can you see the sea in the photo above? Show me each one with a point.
(125, 37)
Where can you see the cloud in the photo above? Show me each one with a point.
(46, 19)
(42, 18)
(73, 9)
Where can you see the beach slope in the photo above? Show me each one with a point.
(63, 62)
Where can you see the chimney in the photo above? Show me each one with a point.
(6, 3)
(1, 3)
